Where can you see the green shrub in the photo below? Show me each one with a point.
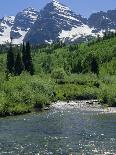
(107, 95)
(58, 74)
(40, 101)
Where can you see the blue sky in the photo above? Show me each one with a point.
(84, 7)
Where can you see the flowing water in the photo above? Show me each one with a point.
(59, 131)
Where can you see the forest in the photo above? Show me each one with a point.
(32, 77)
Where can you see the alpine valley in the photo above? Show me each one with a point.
(57, 80)
(55, 22)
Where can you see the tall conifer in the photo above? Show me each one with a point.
(10, 60)
(24, 55)
(18, 68)
(27, 59)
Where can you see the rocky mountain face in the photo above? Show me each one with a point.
(103, 21)
(54, 22)
(58, 22)
(6, 25)
(22, 24)
(17, 27)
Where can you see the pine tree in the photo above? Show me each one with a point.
(91, 64)
(105, 36)
(27, 59)
(30, 67)
(94, 66)
(18, 68)
(24, 55)
(98, 38)
(10, 60)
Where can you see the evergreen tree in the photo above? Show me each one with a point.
(29, 64)
(90, 64)
(94, 66)
(24, 55)
(98, 38)
(10, 60)
(18, 68)
(105, 36)
(77, 67)
(27, 59)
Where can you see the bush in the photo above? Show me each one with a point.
(58, 74)
(40, 101)
(3, 103)
(75, 92)
(21, 94)
(107, 95)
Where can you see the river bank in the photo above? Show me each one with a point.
(75, 127)
(84, 105)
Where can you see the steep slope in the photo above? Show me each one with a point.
(22, 24)
(58, 22)
(54, 22)
(103, 21)
(5, 28)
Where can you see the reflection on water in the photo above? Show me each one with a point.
(59, 132)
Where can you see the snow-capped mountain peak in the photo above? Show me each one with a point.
(60, 6)
(17, 27)
(103, 21)
(58, 22)
(24, 20)
(55, 22)
(8, 20)
(29, 9)
(63, 11)
(30, 13)
(6, 24)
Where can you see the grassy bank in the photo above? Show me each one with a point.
(22, 94)
(61, 73)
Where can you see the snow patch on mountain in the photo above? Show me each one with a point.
(69, 17)
(30, 13)
(64, 11)
(60, 7)
(49, 41)
(23, 22)
(5, 29)
(101, 32)
(22, 35)
(55, 22)
(76, 32)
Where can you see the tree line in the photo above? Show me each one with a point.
(19, 61)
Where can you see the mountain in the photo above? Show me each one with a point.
(58, 22)
(6, 25)
(55, 22)
(103, 21)
(22, 24)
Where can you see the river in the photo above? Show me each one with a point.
(59, 131)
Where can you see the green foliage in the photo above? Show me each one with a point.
(10, 60)
(107, 95)
(90, 64)
(58, 74)
(18, 68)
(47, 64)
(108, 68)
(27, 59)
(75, 92)
(17, 62)
(25, 92)
(24, 55)
(62, 72)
